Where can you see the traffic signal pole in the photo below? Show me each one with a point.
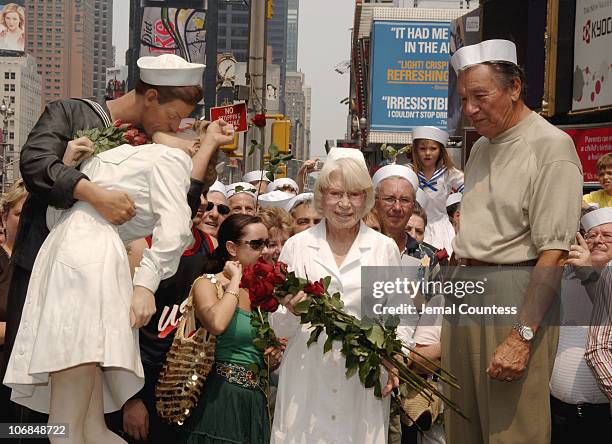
(256, 80)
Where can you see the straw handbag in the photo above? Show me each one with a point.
(188, 363)
(418, 408)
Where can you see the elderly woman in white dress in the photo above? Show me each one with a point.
(316, 402)
(76, 354)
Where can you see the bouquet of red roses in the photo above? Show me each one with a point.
(261, 279)
(366, 344)
(113, 136)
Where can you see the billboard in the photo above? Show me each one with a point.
(592, 55)
(12, 27)
(116, 82)
(591, 143)
(409, 75)
(175, 31)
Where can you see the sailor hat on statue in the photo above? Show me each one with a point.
(453, 199)
(240, 187)
(395, 170)
(283, 182)
(278, 199)
(170, 70)
(256, 176)
(304, 197)
(421, 198)
(430, 132)
(488, 51)
(597, 217)
(337, 154)
(219, 187)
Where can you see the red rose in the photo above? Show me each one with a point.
(139, 140)
(441, 255)
(259, 120)
(316, 289)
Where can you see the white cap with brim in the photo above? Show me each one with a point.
(256, 176)
(218, 187)
(421, 198)
(431, 133)
(393, 171)
(453, 199)
(297, 200)
(278, 199)
(336, 154)
(283, 182)
(597, 217)
(495, 50)
(240, 187)
(170, 70)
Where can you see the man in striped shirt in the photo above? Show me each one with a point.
(597, 242)
(579, 398)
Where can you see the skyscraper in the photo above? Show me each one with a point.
(103, 45)
(293, 13)
(19, 88)
(59, 35)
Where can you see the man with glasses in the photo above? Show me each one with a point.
(579, 406)
(395, 187)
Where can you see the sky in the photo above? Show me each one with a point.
(324, 41)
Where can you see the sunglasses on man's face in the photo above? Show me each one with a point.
(257, 244)
(221, 208)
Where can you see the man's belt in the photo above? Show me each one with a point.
(477, 263)
(583, 410)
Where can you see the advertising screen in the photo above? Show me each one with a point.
(174, 30)
(409, 75)
(12, 27)
(592, 55)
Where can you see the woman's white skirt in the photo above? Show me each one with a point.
(77, 311)
(440, 233)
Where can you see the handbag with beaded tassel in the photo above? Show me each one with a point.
(188, 363)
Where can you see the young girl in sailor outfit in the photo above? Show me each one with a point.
(438, 178)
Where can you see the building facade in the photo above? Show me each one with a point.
(20, 87)
(293, 15)
(295, 101)
(103, 45)
(60, 35)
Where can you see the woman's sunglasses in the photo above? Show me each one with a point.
(257, 244)
(221, 208)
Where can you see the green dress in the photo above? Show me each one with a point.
(230, 413)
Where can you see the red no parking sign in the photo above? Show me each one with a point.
(235, 114)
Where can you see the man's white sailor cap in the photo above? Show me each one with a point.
(495, 50)
(170, 70)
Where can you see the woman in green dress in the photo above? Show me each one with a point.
(233, 407)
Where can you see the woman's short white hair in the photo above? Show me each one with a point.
(354, 176)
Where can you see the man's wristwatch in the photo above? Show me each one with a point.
(526, 333)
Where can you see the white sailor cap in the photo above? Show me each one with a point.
(430, 132)
(283, 182)
(256, 176)
(170, 70)
(597, 217)
(495, 50)
(278, 199)
(396, 170)
(421, 198)
(336, 154)
(218, 187)
(240, 187)
(453, 199)
(297, 200)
